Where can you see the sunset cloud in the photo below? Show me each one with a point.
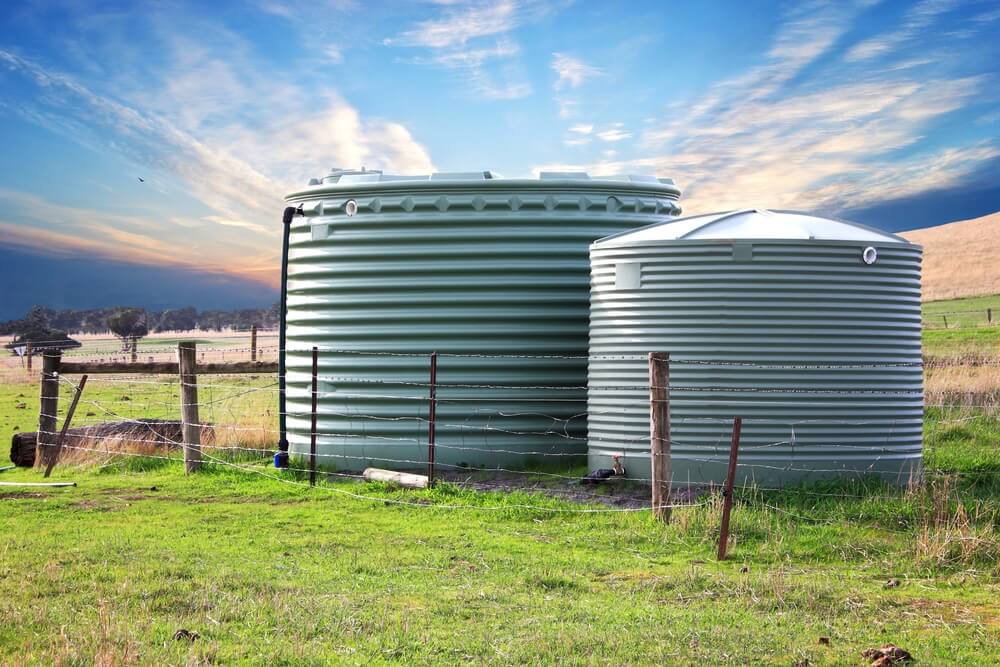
(831, 106)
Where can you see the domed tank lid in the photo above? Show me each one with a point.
(752, 224)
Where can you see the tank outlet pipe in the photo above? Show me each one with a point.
(281, 456)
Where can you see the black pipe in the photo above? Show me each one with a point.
(281, 456)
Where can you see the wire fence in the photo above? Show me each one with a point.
(823, 442)
(547, 453)
(561, 448)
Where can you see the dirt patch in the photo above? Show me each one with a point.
(990, 615)
(140, 494)
(20, 495)
(941, 613)
(615, 493)
(91, 505)
(119, 491)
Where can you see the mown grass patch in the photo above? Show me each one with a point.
(964, 312)
(267, 570)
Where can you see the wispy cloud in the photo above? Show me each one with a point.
(27, 220)
(567, 108)
(572, 72)
(614, 133)
(471, 57)
(473, 38)
(461, 23)
(333, 53)
(239, 172)
(915, 20)
(764, 138)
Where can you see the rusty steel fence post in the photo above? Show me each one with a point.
(727, 504)
(65, 427)
(659, 434)
(432, 419)
(312, 430)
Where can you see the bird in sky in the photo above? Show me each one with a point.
(140, 179)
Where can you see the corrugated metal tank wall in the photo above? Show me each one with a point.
(821, 351)
(460, 264)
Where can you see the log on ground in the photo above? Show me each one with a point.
(404, 479)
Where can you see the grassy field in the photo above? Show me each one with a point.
(962, 313)
(269, 571)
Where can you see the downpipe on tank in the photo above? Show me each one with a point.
(281, 456)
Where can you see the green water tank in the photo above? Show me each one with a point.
(491, 273)
(806, 327)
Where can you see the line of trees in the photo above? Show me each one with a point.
(102, 320)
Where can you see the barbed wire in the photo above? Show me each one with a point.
(561, 426)
(884, 493)
(208, 458)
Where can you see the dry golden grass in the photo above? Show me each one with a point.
(102, 442)
(960, 258)
(951, 535)
(251, 438)
(964, 385)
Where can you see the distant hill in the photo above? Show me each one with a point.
(960, 258)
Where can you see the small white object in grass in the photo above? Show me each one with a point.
(404, 479)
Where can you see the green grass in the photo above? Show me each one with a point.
(965, 312)
(134, 397)
(968, 331)
(268, 571)
(271, 573)
(959, 342)
(962, 440)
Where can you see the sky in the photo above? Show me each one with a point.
(885, 112)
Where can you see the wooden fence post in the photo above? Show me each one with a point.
(65, 427)
(48, 407)
(945, 318)
(190, 425)
(432, 419)
(253, 342)
(727, 503)
(659, 433)
(135, 349)
(312, 436)
(28, 353)
(989, 316)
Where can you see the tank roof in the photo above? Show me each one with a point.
(348, 179)
(753, 224)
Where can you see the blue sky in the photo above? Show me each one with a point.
(886, 110)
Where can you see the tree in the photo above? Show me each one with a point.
(128, 324)
(178, 319)
(35, 329)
